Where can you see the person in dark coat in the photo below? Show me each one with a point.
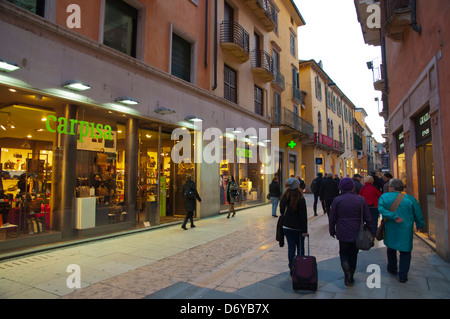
(344, 223)
(274, 194)
(357, 182)
(328, 191)
(190, 195)
(315, 188)
(295, 221)
(232, 195)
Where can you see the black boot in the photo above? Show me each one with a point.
(348, 277)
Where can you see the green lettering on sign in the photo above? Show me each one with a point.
(64, 126)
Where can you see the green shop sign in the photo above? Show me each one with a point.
(242, 152)
(67, 126)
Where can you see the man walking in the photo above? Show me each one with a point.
(315, 188)
(328, 192)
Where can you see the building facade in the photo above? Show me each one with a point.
(331, 113)
(118, 102)
(415, 67)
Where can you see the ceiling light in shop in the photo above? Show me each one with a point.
(127, 100)
(76, 85)
(7, 66)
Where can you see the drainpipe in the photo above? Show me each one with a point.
(206, 33)
(415, 27)
(215, 46)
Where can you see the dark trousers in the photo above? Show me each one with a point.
(374, 214)
(189, 216)
(348, 253)
(316, 199)
(403, 267)
(296, 244)
(328, 205)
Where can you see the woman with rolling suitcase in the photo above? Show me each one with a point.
(295, 221)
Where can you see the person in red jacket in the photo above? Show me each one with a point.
(371, 194)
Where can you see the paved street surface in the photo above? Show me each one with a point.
(219, 259)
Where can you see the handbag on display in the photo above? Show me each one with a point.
(380, 231)
(364, 239)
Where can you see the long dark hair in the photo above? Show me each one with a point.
(293, 196)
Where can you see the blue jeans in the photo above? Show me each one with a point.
(403, 267)
(275, 201)
(294, 239)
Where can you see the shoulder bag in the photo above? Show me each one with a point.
(393, 208)
(364, 239)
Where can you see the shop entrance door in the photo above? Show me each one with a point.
(427, 186)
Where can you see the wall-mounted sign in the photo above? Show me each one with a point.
(90, 136)
(423, 127)
(399, 142)
(319, 161)
(86, 129)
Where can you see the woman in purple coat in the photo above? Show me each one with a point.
(344, 223)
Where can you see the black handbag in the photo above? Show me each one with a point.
(364, 239)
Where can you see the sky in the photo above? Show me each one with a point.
(333, 34)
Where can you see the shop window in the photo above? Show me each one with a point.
(34, 6)
(120, 30)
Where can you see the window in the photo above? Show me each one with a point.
(120, 30)
(181, 58)
(276, 108)
(292, 44)
(258, 100)
(319, 121)
(34, 6)
(318, 88)
(340, 133)
(230, 84)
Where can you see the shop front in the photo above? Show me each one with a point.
(242, 162)
(74, 171)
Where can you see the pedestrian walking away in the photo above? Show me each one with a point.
(232, 195)
(190, 195)
(274, 195)
(344, 225)
(399, 228)
(371, 194)
(315, 188)
(295, 221)
(328, 191)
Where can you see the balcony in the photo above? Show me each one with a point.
(398, 18)
(262, 66)
(279, 80)
(328, 144)
(265, 12)
(292, 124)
(297, 94)
(235, 41)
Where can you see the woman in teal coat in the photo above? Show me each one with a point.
(399, 228)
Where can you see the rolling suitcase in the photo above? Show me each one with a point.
(304, 272)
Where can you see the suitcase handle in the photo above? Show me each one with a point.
(301, 246)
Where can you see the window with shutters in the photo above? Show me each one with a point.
(35, 6)
(258, 100)
(120, 30)
(230, 84)
(181, 58)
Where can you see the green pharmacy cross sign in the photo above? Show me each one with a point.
(292, 144)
